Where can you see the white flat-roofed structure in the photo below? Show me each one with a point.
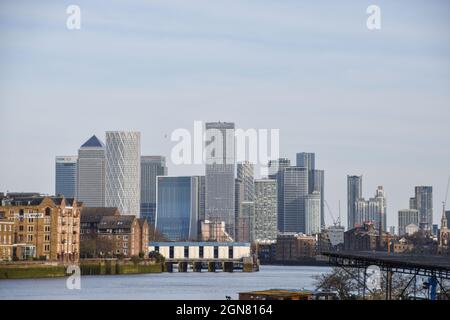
(202, 251)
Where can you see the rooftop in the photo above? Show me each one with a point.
(93, 142)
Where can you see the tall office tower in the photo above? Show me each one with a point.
(177, 207)
(316, 179)
(354, 192)
(307, 160)
(405, 218)
(66, 176)
(238, 199)
(201, 198)
(266, 223)
(372, 210)
(295, 192)
(123, 171)
(91, 173)
(245, 231)
(151, 167)
(220, 169)
(276, 172)
(317, 184)
(313, 213)
(412, 203)
(245, 174)
(380, 197)
(424, 203)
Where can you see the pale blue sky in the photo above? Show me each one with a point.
(375, 103)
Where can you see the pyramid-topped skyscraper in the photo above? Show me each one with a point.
(91, 173)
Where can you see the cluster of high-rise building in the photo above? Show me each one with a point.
(300, 194)
(225, 203)
(362, 211)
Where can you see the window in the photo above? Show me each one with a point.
(48, 211)
(125, 245)
(30, 228)
(171, 252)
(157, 249)
(186, 252)
(47, 248)
(47, 237)
(216, 252)
(20, 228)
(201, 252)
(30, 220)
(230, 253)
(29, 237)
(47, 228)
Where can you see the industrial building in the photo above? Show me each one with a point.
(216, 251)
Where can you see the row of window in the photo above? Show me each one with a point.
(5, 239)
(31, 228)
(6, 227)
(201, 252)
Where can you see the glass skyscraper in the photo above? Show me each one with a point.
(123, 175)
(316, 179)
(296, 188)
(354, 193)
(423, 202)
(313, 214)
(66, 176)
(91, 173)
(219, 178)
(151, 167)
(276, 172)
(177, 207)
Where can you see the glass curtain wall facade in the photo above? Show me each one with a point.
(178, 207)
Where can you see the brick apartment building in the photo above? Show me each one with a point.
(6, 239)
(112, 234)
(365, 238)
(293, 247)
(43, 227)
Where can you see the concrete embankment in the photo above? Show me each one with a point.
(29, 270)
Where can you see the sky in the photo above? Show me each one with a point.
(370, 102)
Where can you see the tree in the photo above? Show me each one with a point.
(96, 247)
(156, 257)
(155, 235)
(339, 281)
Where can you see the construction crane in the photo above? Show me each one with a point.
(336, 222)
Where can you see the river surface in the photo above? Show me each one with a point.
(165, 286)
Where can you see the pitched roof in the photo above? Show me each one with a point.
(93, 142)
(96, 214)
(142, 222)
(116, 222)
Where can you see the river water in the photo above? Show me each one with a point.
(165, 286)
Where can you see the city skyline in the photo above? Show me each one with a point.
(392, 216)
(314, 71)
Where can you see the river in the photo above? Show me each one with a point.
(165, 286)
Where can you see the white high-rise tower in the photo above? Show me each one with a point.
(123, 171)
